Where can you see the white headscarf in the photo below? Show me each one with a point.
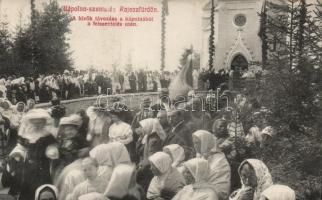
(161, 161)
(152, 125)
(120, 181)
(121, 132)
(177, 153)
(279, 192)
(207, 140)
(39, 190)
(264, 178)
(6, 112)
(199, 168)
(17, 115)
(111, 154)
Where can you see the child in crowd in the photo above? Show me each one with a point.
(93, 183)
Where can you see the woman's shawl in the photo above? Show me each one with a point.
(120, 182)
(110, 154)
(220, 171)
(279, 192)
(191, 193)
(200, 170)
(220, 174)
(172, 183)
(152, 142)
(207, 140)
(176, 153)
(170, 179)
(264, 178)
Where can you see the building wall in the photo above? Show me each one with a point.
(230, 39)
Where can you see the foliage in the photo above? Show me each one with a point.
(5, 46)
(40, 47)
(289, 90)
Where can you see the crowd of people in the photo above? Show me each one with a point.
(75, 84)
(159, 152)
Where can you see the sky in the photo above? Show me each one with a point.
(101, 47)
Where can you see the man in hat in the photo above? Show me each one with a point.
(145, 112)
(180, 133)
(163, 102)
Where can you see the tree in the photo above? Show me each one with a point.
(41, 47)
(5, 48)
(164, 14)
(212, 36)
(52, 50)
(288, 89)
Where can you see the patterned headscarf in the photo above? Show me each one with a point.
(177, 153)
(264, 178)
(111, 154)
(207, 140)
(161, 161)
(279, 192)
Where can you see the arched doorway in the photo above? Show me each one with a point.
(239, 63)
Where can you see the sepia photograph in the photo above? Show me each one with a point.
(160, 100)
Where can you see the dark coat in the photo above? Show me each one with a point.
(27, 175)
(182, 136)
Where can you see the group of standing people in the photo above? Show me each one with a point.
(158, 152)
(75, 84)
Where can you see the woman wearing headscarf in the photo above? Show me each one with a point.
(6, 108)
(108, 156)
(29, 161)
(46, 192)
(205, 146)
(151, 139)
(15, 121)
(17, 114)
(177, 155)
(153, 136)
(278, 192)
(122, 185)
(255, 178)
(196, 172)
(30, 104)
(167, 180)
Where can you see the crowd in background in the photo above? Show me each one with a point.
(159, 152)
(76, 84)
